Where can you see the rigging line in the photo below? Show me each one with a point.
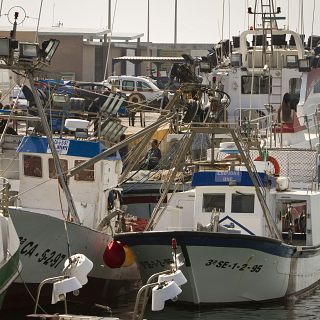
(25, 285)
(314, 9)
(229, 27)
(222, 25)
(288, 19)
(109, 45)
(1, 7)
(11, 114)
(36, 35)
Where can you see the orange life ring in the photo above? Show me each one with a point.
(274, 162)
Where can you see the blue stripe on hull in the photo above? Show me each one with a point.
(197, 238)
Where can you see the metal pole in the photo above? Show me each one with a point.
(109, 15)
(36, 35)
(175, 22)
(61, 176)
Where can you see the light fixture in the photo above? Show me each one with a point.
(49, 48)
(28, 51)
(4, 47)
(304, 65)
(162, 292)
(177, 276)
(62, 287)
(60, 101)
(78, 266)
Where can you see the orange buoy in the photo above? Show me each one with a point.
(130, 258)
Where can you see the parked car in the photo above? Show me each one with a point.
(137, 89)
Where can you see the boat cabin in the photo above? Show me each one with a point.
(39, 187)
(227, 202)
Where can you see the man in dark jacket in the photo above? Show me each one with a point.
(153, 155)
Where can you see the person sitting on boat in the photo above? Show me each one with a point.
(285, 111)
(153, 155)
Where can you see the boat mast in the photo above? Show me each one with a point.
(61, 176)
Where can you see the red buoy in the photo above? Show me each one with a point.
(114, 255)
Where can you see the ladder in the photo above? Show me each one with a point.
(275, 88)
(268, 23)
(243, 148)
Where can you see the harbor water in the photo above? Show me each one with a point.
(303, 308)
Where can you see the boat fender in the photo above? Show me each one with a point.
(274, 162)
(114, 255)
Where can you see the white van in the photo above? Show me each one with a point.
(137, 89)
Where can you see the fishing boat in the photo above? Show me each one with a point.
(271, 74)
(244, 234)
(10, 264)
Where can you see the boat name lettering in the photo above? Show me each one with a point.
(61, 145)
(48, 257)
(234, 265)
(225, 176)
(150, 264)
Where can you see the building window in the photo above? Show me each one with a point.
(261, 85)
(84, 175)
(52, 168)
(213, 201)
(242, 203)
(32, 166)
(127, 85)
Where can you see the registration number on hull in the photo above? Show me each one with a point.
(236, 266)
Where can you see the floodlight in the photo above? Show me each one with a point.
(177, 276)
(4, 47)
(162, 292)
(78, 266)
(61, 288)
(28, 51)
(49, 48)
(304, 65)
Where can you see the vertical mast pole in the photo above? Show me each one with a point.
(59, 171)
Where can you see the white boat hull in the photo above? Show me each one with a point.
(223, 268)
(44, 249)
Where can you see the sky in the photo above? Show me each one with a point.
(199, 21)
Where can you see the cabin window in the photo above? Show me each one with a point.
(142, 86)
(84, 175)
(32, 166)
(261, 85)
(127, 85)
(242, 203)
(213, 201)
(52, 168)
(295, 85)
